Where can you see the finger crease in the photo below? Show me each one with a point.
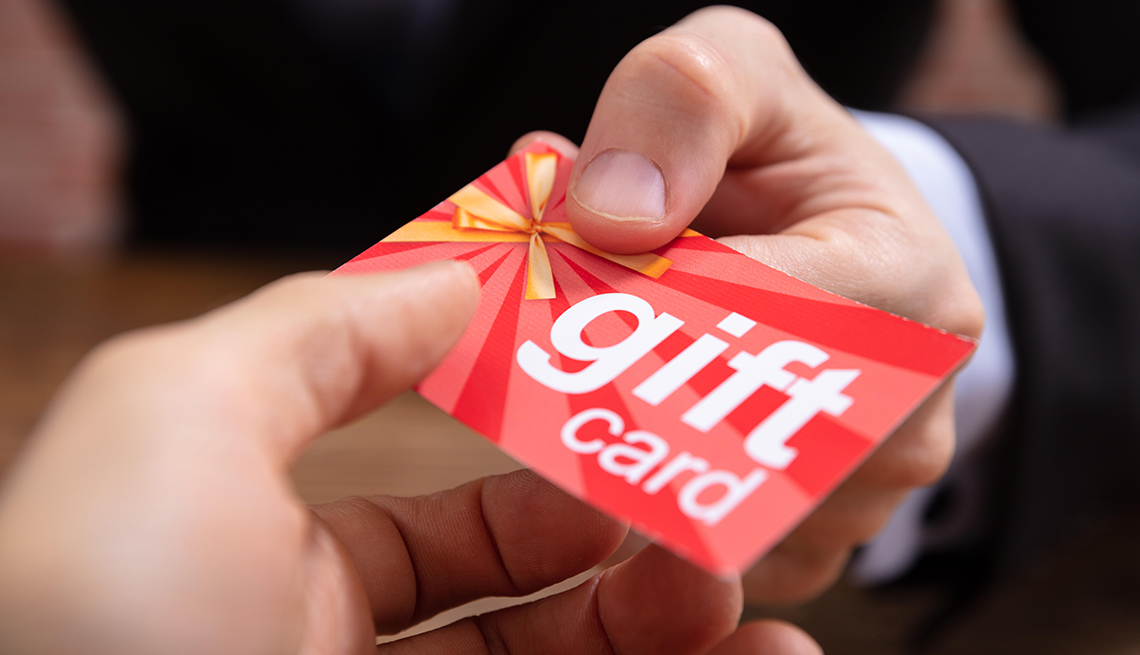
(494, 545)
(415, 611)
(489, 633)
(596, 611)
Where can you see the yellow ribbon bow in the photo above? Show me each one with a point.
(479, 217)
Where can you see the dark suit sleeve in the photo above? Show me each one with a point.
(1063, 207)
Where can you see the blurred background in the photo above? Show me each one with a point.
(160, 159)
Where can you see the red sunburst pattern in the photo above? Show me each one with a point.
(480, 382)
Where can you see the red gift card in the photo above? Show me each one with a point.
(704, 397)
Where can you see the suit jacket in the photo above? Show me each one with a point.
(1063, 207)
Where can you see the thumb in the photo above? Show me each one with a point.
(713, 89)
(281, 366)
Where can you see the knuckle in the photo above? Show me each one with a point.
(848, 522)
(791, 575)
(970, 313)
(694, 72)
(125, 353)
(959, 309)
(918, 453)
(825, 574)
(956, 305)
(290, 289)
(159, 364)
(924, 457)
(356, 510)
(350, 507)
(940, 458)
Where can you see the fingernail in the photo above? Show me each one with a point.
(622, 184)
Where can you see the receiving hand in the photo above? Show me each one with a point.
(152, 511)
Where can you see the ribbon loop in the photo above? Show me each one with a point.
(540, 173)
(479, 217)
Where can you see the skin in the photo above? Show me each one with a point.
(754, 152)
(152, 510)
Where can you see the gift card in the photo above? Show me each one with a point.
(707, 399)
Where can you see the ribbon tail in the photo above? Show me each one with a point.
(539, 277)
(646, 263)
(442, 231)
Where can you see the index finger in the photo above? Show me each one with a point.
(507, 535)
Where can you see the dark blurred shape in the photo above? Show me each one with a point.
(1063, 219)
(978, 61)
(1092, 47)
(256, 122)
(61, 139)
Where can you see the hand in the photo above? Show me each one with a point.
(714, 123)
(153, 513)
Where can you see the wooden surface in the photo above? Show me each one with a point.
(1084, 599)
(54, 312)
